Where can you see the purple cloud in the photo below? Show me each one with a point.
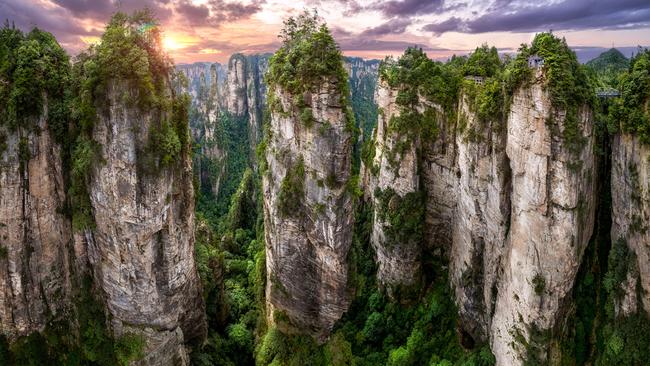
(566, 15)
(408, 7)
(393, 26)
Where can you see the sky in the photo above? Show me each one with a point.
(212, 30)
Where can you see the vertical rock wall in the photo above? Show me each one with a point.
(631, 217)
(35, 234)
(307, 248)
(256, 66)
(481, 220)
(510, 205)
(142, 248)
(552, 216)
(399, 263)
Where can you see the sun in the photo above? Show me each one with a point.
(171, 44)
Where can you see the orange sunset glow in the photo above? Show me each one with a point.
(211, 30)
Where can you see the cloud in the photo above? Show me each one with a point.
(451, 24)
(364, 44)
(232, 11)
(394, 26)
(565, 15)
(27, 15)
(358, 25)
(193, 13)
(408, 7)
(94, 9)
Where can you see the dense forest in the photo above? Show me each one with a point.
(378, 329)
(385, 324)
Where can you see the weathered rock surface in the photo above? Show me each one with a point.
(481, 220)
(509, 205)
(440, 182)
(551, 221)
(142, 248)
(246, 92)
(256, 66)
(210, 162)
(399, 262)
(361, 73)
(235, 100)
(631, 216)
(214, 75)
(35, 235)
(306, 250)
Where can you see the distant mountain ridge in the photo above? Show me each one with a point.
(586, 54)
(611, 59)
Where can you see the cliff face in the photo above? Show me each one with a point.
(481, 219)
(440, 179)
(256, 66)
(236, 92)
(141, 250)
(35, 235)
(308, 212)
(214, 75)
(399, 262)
(510, 202)
(551, 220)
(246, 92)
(210, 162)
(631, 218)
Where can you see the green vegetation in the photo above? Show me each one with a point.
(308, 57)
(417, 76)
(4, 252)
(630, 113)
(608, 67)
(33, 67)
(566, 81)
(292, 190)
(623, 339)
(129, 53)
(487, 101)
(232, 136)
(380, 331)
(363, 106)
(61, 344)
(483, 62)
(231, 262)
(403, 217)
(377, 330)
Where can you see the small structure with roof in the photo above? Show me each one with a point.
(535, 61)
(475, 78)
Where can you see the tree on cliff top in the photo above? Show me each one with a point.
(632, 112)
(32, 65)
(131, 49)
(308, 55)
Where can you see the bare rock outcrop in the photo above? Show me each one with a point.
(481, 219)
(141, 249)
(399, 262)
(35, 234)
(308, 212)
(631, 217)
(551, 220)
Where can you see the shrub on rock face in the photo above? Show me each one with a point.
(292, 190)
